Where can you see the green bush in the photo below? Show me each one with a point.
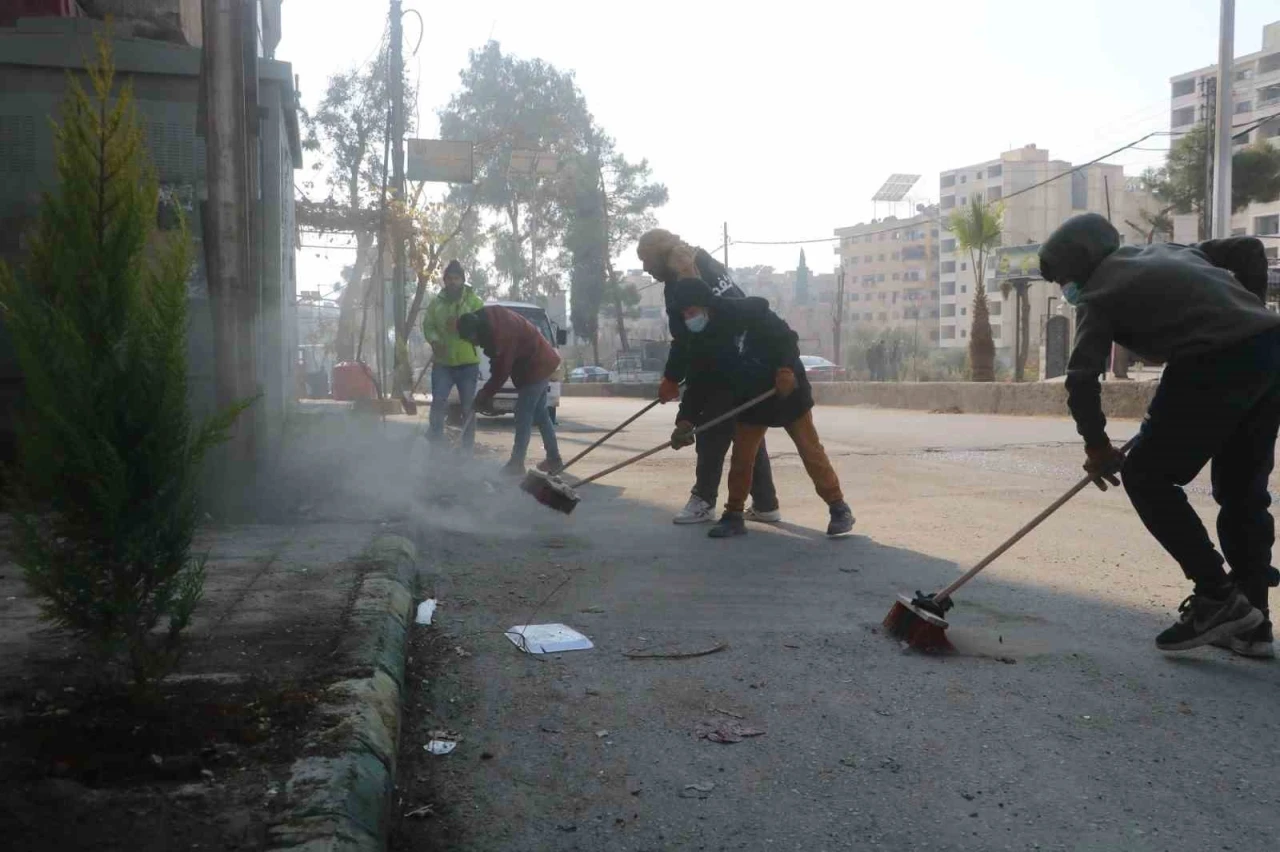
(105, 486)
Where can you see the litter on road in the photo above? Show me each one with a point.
(547, 638)
(439, 747)
(697, 791)
(675, 655)
(727, 733)
(426, 610)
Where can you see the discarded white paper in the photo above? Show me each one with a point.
(547, 638)
(441, 746)
(426, 610)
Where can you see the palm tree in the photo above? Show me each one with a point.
(977, 231)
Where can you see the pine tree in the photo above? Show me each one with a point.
(105, 487)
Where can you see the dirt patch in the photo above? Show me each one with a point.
(197, 767)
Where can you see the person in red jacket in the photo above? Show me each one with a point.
(516, 350)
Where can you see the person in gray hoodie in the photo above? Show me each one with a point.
(1218, 401)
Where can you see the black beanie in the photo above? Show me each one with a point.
(455, 268)
(691, 293)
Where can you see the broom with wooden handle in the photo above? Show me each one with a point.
(562, 498)
(920, 621)
(535, 480)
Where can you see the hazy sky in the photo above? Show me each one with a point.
(784, 123)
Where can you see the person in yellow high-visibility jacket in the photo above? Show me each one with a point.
(455, 362)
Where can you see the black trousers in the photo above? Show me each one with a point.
(1221, 408)
(712, 446)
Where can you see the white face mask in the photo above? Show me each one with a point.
(697, 322)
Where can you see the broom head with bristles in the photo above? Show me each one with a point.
(919, 622)
(550, 491)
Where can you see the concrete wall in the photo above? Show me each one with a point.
(1119, 399)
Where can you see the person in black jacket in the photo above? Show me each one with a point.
(749, 349)
(1218, 401)
(668, 259)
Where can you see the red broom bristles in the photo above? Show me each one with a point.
(920, 634)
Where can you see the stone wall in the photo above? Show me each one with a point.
(1119, 399)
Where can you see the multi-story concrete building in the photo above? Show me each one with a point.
(1036, 194)
(1255, 89)
(891, 268)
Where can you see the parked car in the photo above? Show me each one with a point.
(819, 369)
(590, 374)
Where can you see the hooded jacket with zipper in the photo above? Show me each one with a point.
(516, 350)
(1163, 302)
(712, 273)
(440, 328)
(741, 350)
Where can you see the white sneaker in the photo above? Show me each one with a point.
(754, 514)
(696, 511)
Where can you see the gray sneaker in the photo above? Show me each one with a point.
(1258, 643)
(1203, 620)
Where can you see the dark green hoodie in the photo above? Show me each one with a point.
(1163, 302)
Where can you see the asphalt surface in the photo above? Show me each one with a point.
(1058, 725)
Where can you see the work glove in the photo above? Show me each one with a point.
(682, 436)
(484, 405)
(784, 382)
(682, 263)
(1103, 461)
(668, 390)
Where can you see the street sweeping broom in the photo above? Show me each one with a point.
(552, 492)
(921, 622)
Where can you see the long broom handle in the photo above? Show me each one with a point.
(1020, 534)
(704, 427)
(624, 424)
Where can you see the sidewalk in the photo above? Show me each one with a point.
(208, 767)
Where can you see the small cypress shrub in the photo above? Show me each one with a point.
(105, 488)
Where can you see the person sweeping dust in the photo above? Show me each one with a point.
(669, 259)
(1218, 401)
(519, 351)
(741, 344)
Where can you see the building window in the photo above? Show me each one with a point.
(1079, 190)
(880, 277)
(963, 333)
(1244, 107)
(995, 193)
(1183, 117)
(978, 176)
(880, 296)
(882, 258)
(1182, 88)
(964, 288)
(948, 266)
(1269, 63)
(964, 311)
(995, 171)
(855, 297)
(868, 316)
(962, 200)
(964, 178)
(853, 261)
(949, 288)
(1270, 130)
(996, 308)
(948, 245)
(963, 267)
(896, 277)
(948, 202)
(947, 181)
(948, 332)
(948, 310)
(1265, 226)
(867, 259)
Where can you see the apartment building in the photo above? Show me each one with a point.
(1255, 89)
(1037, 194)
(891, 269)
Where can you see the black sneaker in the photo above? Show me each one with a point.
(730, 524)
(1204, 620)
(841, 520)
(1258, 643)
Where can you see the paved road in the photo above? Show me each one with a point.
(1058, 726)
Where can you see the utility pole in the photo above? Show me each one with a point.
(233, 295)
(838, 320)
(1209, 91)
(1221, 221)
(396, 87)
(726, 245)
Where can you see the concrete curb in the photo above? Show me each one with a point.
(340, 792)
(1044, 399)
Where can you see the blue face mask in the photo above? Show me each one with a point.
(1071, 293)
(696, 323)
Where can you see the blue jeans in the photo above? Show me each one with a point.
(531, 408)
(443, 380)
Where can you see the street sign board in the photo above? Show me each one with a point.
(440, 161)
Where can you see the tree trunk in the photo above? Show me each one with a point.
(595, 348)
(622, 325)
